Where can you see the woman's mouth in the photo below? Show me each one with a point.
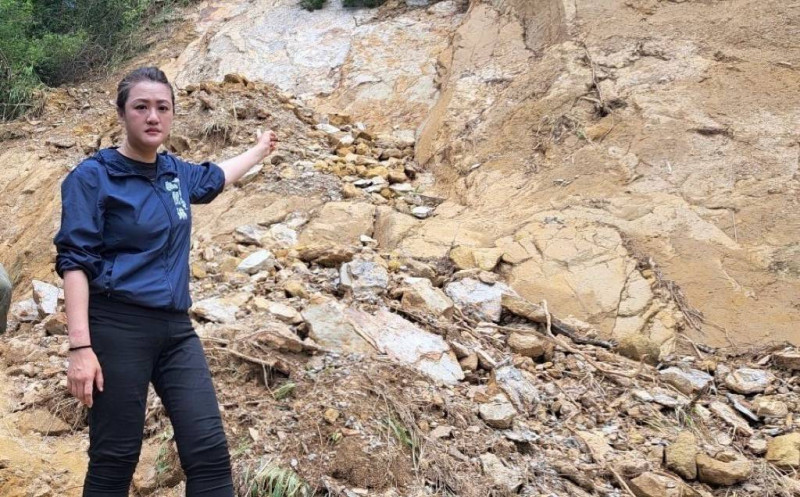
(152, 131)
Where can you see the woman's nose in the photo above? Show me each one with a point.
(152, 116)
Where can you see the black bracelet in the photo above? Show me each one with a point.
(81, 347)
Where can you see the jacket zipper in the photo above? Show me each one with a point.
(169, 240)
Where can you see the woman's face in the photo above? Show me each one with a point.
(148, 115)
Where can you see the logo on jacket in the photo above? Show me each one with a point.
(181, 208)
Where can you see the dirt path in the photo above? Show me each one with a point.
(31, 464)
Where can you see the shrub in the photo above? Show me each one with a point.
(363, 3)
(312, 4)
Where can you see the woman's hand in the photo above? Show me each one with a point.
(267, 141)
(83, 372)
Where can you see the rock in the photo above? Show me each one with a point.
(654, 485)
(219, 309)
(757, 446)
(25, 311)
(681, 455)
(42, 422)
(280, 337)
(422, 212)
(327, 254)
(158, 468)
(397, 177)
(529, 345)
(507, 479)
(249, 234)
(331, 415)
(406, 343)
(518, 385)
(727, 469)
(784, 451)
(729, 416)
(498, 412)
(484, 300)
(327, 128)
(61, 141)
(257, 261)
(687, 382)
(351, 191)
(295, 288)
(521, 307)
(282, 235)
(748, 381)
(469, 363)
(468, 257)
(391, 227)
(330, 328)
(639, 347)
(284, 313)
(598, 446)
(769, 407)
(46, 297)
(56, 324)
(420, 296)
(363, 278)
(339, 223)
(441, 432)
(198, 270)
(787, 360)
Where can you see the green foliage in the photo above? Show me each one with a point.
(312, 4)
(363, 3)
(52, 42)
(275, 481)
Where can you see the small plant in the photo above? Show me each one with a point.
(363, 3)
(284, 391)
(404, 436)
(311, 5)
(275, 481)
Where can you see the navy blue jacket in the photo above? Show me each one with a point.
(131, 235)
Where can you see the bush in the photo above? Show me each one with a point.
(52, 42)
(312, 4)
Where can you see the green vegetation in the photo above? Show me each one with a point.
(52, 42)
(275, 481)
(284, 391)
(312, 4)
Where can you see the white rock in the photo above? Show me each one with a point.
(421, 211)
(46, 297)
(327, 128)
(363, 278)
(330, 328)
(498, 412)
(688, 382)
(518, 386)
(25, 311)
(216, 309)
(250, 175)
(729, 416)
(506, 478)
(283, 235)
(483, 299)
(284, 313)
(257, 261)
(422, 296)
(748, 381)
(249, 234)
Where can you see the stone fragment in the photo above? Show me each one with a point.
(484, 300)
(521, 307)
(421, 296)
(529, 345)
(505, 478)
(469, 363)
(729, 416)
(42, 422)
(257, 261)
(748, 381)
(284, 313)
(158, 468)
(681, 455)
(422, 211)
(518, 385)
(787, 360)
(295, 288)
(331, 415)
(655, 485)
(328, 255)
(784, 451)
(687, 382)
(56, 324)
(757, 446)
(339, 223)
(25, 311)
(639, 347)
(330, 328)
(498, 412)
(219, 309)
(770, 407)
(364, 278)
(441, 432)
(469, 257)
(249, 234)
(282, 235)
(250, 175)
(406, 343)
(46, 297)
(280, 337)
(727, 469)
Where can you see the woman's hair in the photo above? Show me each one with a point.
(137, 76)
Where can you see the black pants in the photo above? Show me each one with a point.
(136, 346)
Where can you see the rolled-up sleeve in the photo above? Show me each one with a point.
(79, 241)
(206, 181)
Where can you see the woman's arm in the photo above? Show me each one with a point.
(236, 167)
(84, 369)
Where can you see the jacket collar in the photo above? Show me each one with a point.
(116, 165)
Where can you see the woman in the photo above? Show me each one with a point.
(123, 251)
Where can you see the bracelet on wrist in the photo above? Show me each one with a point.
(80, 347)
